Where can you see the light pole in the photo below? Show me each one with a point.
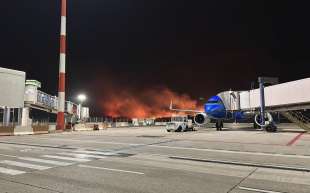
(62, 68)
(81, 98)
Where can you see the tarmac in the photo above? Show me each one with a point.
(238, 159)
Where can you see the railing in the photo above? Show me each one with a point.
(298, 118)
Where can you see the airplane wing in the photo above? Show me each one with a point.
(184, 110)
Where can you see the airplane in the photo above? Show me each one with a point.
(215, 109)
(290, 99)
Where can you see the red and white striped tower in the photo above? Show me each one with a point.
(62, 68)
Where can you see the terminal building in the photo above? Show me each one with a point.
(24, 108)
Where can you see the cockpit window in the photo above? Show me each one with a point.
(213, 102)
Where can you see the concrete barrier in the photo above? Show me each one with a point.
(30, 130)
(121, 124)
(51, 128)
(23, 130)
(103, 126)
(26, 130)
(83, 127)
(91, 126)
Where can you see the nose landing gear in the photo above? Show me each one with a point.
(219, 125)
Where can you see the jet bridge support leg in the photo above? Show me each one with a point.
(262, 81)
(262, 100)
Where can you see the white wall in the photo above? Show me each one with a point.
(12, 88)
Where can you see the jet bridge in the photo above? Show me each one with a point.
(288, 98)
(294, 95)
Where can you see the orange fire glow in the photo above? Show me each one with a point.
(144, 104)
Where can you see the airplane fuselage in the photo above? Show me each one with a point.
(215, 109)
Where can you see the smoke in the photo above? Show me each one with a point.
(143, 103)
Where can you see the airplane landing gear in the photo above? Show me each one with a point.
(219, 125)
(271, 127)
(268, 125)
(256, 126)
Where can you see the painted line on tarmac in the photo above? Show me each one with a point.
(258, 190)
(110, 169)
(67, 158)
(11, 171)
(5, 155)
(108, 153)
(234, 152)
(25, 165)
(79, 155)
(46, 161)
(295, 139)
(279, 167)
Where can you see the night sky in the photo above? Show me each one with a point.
(195, 47)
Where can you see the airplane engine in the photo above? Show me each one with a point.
(200, 118)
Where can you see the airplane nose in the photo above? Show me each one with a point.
(210, 109)
(214, 111)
